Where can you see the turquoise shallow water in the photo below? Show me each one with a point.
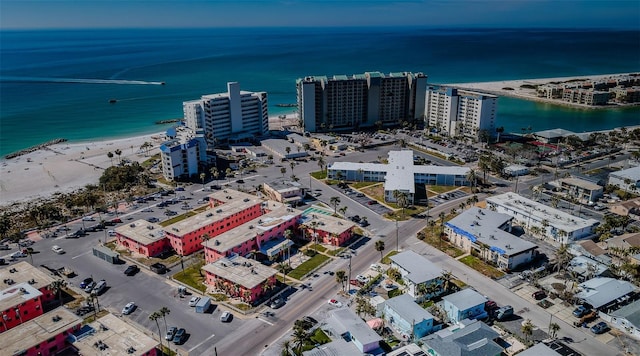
(38, 103)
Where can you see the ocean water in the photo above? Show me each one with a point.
(57, 84)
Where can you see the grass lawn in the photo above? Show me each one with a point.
(111, 245)
(432, 235)
(336, 251)
(386, 260)
(319, 174)
(175, 219)
(359, 185)
(219, 297)
(317, 247)
(394, 293)
(481, 266)
(90, 318)
(308, 266)
(149, 162)
(375, 191)
(201, 209)
(191, 276)
(397, 215)
(320, 337)
(242, 306)
(439, 189)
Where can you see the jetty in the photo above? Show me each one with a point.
(35, 148)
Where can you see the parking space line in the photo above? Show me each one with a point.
(265, 321)
(200, 344)
(82, 254)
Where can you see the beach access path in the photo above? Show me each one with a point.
(514, 89)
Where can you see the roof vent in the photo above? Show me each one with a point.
(56, 318)
(209, 215)
(132, 225)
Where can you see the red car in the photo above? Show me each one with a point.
(372, 202)
(116, 220)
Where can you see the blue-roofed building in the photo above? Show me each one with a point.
(469, 338)
(407, 317)
(485, 233)
(465, 304)
(183, 154)
(418, 273)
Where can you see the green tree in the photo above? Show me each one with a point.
(283, 170)
(334, 201)
(202, 177)
(300, 337)
(164, 311)
(553, 330)
(527, 330)
(380, 248)
(341, 277)
(110, 155)
(56, 288)
(118, 152)
(154, 317)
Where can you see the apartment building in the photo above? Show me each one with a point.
(460, 113)
(228, 117)
(239, 277)
(626, 95)
(326, 229)
(541, 219)
(183, 154)
(346, 102)
(142, 237)
(627, 179)
(399, 174)
(284, 190)
(585, 96)
(582, 190)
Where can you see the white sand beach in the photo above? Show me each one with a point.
(66, 167)
(499, 87)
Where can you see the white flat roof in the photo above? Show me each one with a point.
(118, 335)
(24, 272)
(17, 294)
(400, 172)
(37, 330)
(141, 231)
(233, 202)
(278, 215)
(526, 207)
(243, 271)
(585, 184)
(328, 223)
(630, 173)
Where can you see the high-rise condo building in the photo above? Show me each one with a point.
(228, 117)
(183, 154)
(460, 113)
(361, 100)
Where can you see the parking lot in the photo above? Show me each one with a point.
(362, 199)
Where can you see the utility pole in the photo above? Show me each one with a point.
(397, 237)
(349, 278)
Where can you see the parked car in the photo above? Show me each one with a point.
(179, 337)
(18, 254)
(537, 295)
(375, 267)
(194, 301)
(129, 308)
(599, 328)
(278, 303)
(100, 287)
(580, 311)
(225, 317)
(116, 221)
(335, 303)
(362, 279)
(5, 247)
(372, 202)
(179, 189)
(171, 332)
(131, 270)
(57, 249)
(85, 282)
(153, 219)
(88, 218)
(89, 287)
(158, 268)
(504, 312)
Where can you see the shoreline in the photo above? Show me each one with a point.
(518, 92)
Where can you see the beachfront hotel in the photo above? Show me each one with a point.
(228, 117)
(460, 113)
(361, 100)
(400, 173)
(183, 153)
(541, 219)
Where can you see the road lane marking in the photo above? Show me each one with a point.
(82, 254)
(200, 344)
(265, 321)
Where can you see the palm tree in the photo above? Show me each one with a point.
(164, 311)
(562, 256)
(402, 199)
(472, 177)
(287, 235)
(56, 287)
(300, 337)
(154, 317)
(343, 210)
(110, 155)
(285, 348)
(442, 216)
(283, 170)
(321, 163)
(118, 152)
(553, 329)
(341, 277)
(292, 165)
(446, 277)
(214, 173)
(380, 248)
(334, 201)
(202, 177)
(527, 329)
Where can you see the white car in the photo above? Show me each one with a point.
(129, 308)
(225, 317)
(18, 254)
(362, 279)
(375, 267)
(194, 301)
(335, 303)
(57, 249)
(88, 218)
